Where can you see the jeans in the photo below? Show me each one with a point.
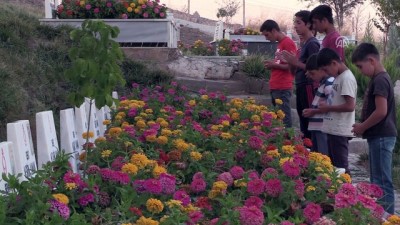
(285, 96)
(320, 142)
(380, 162)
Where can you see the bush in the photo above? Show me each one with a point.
(230, 47)
(198, 48)
(254, 67)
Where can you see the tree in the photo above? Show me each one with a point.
(228, 9)
(388, 12)
(341, 8)
(369, 32)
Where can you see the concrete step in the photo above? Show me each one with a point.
(226, 86)
(358, 146)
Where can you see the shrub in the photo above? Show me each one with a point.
(137, 72)
(102, 9)
(230, 47)
(198, 48)
(254, 67)
(246, 31)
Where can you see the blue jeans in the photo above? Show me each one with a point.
(285, 96)
(320, 142)
(380, 162)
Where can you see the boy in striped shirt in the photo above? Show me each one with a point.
(316, 118)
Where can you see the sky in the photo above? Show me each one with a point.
(257, 11)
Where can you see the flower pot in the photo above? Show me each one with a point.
(139, 32)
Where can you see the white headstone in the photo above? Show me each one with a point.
(48, 8)
(93, 121)
(101, 116)
(19, 133)
(114, 95)
(219, 30)
(6, 163)
(81, 123)
(69, 138)
(46, 136)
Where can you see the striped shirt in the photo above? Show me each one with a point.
(321, 95)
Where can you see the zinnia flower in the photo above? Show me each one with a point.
(312, 212)
(183, 197)
(198, 185)
(154, 205)
(255, 142)
(251, 216)
(86, 199)
(226, 177)
(60, 208)
(237, 172)
(152, 186)
(168, 183)
(256, 186)
(254, 201)
(273, 187)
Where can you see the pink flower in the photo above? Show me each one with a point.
(369, 189)
(253, 175)
(96, 10)
(299, 188)
(291, 169)
(132, 112)
(156, 10)
(117, 163)
(256, 187)
(343, 201)
(226, 177)
(109, 4)
(195, 217)
(236, 172)
(60, 208)
(153, 186)
(255, 142)
(273, 187)
(183, 197)
(86, 199)
(198, 185)
(88, 7)
(168, 183)
(162, 14)
(198, 175)
(312, 212)
(269, 173)
(301, 160)
(251, 216)
(348, 189)
(93, 169)
(124, 16)
(216, 220)
(287, 223)
(324, 221)
(378, 211)
(254, 201)
(139, 186)
(114, 176)
(366, 201)
(144, 6)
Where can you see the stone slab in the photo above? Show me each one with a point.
(6, 163)
(69, 138)
(46, 137)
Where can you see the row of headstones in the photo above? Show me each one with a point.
(18, 154)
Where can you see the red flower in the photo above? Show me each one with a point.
(136, 211)
(307, 142)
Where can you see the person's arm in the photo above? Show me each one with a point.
(273, 65)
(348, 106)
(376, 116)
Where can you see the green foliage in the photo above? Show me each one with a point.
(228, 9)
(198, 48)
(95, 56)
(230, 47)
(254, 67)
(136, 72)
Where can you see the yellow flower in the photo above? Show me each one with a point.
(158, 170)
(149, 111)
(235, 116)
(137, 10)
(70, 186)
(128, 144)
(196, 156)
(278, 101)
(164, 124)
(394, 219)
(144, 115)
(162, 140)
(213, 194)
(273, 153)
(150, 122)
(280, 114)
(310, 188)
(106, 153)
(129, 9)
(190, 208)
(141, 124)
(132, 5)
(166, 132)
(106, 122)
(346, 177)
(192, 102)
(82, 156)
(215, 127)
(240, 183)
(100, 139)
(154, 205)
(226, 135)
(61, 198)
(82, 3)
(283, 160)
(204, 97)
(225, 123)
(85, 134)
(137, 118)
(288, 149)
(140, 160)
(255, 118)
(115, 131)
(174, 203)
(181, 145)
(219, 186)
(122, 114)
(179, 113)
(151, 138)
(146, 221)
(126, 224)
(130, 168)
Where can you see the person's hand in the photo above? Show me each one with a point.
(269, 64)
(308, 112)
(358, 129)
(289, 57)
(323, 107)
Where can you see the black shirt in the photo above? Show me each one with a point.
(380, 84)
(311, 46)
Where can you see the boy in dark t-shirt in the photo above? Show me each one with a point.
(304, 85)
(378, 120)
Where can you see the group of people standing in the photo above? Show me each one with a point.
(326, 92)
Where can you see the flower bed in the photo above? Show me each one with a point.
(173, 159)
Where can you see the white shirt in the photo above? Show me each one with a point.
(341, 123)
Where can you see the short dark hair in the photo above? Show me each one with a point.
(326, 56)
(312, 63)
(304, 15)
(363, 51)
(269, 25)
(322, 11)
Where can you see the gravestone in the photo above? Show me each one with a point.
(93, 120)
(81, 123)
(6, 163)
(46, 136)
(19, 133)
(103, 114)
(219, 31)
(69, 138)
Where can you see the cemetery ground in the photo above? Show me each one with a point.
(34, 79)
